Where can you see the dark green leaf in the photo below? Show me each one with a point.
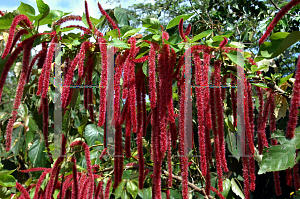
(201, 35)
(6, 21)
(236, 189)
(43, 8)
(145, 193)
(7, 181)
(131, 32)
(280, 157)
(236, 57)
(132, 188)
(17, 140)
(120, 44)
(152, 23)
(36, 154)
(113, 33)
(288, 41)
(175, 21)
(260, 85)
(25, 9)
(121, 16)
(120, 189)
(92, 134)
(4, 192)
(226, 187)
(284, 79)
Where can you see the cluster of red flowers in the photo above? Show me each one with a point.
(163, 70)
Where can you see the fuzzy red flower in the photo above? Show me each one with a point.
(109, 19)
(279, 16)
(295, 103)
(12, 29)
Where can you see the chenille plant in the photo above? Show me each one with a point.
(189, 138)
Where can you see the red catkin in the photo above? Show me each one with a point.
(249, 132)
(246, 178)
(88, 163)
(274, 142)
(216, 139)
(75, 179)
(183, 140)
(152, 76)
(289, 177)
(103, 83)
(22, 190)
(169, 157)
(22, 81)
(279, 16)
(128, 136)
(107, 189)
(295, 103)
(108, 18)
(223, 43)
(55, 169)
(219, 108)
(180, 28)
(233, 99)
(2, 13)
(296, 176)
(217, 192)
(12, 58)
(45, 125)
(99, 189)
(66, 185)
(188, 30)
(200, 110)
(87, 15)
(262, 125)
(12, 29)
(39, 182)
(65, 19)
(86, 30)
(17, 37)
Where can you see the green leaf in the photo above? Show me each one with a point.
(43, 8)
(288, 41)
(31, 131)
(120, 189)
(92, 134)
(4, 192)
(121, 16)
(52, 16)
(236, 189)
(131, 32)
(279, 157)
(36, 154)
(132, 188)
(113, 33)
(25, 9)
(152, 23)
(236, 57)
(201, 35)
(175, 194)
(120, 44)
(260, 85)
(7, 181)
(125, 29)
(226, 187)
(284, 79)
(152, 31)
(17, 140)
(156, 37)
(145, 68)
(145, 193)
(6, 21)
(175, 21)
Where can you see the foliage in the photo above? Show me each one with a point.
(147, 115)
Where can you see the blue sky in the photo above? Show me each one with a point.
(74, 6)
